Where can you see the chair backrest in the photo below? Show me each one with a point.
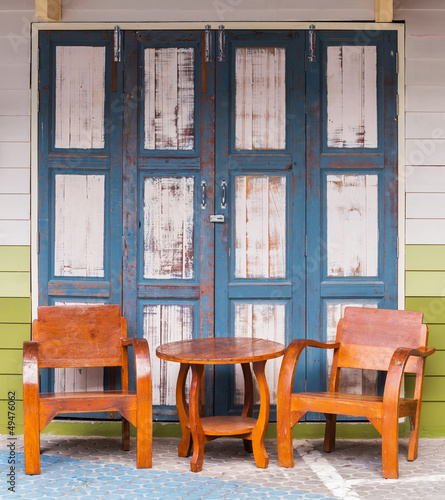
(369, 337)
(86, 335)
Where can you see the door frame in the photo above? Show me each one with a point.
(365, 31)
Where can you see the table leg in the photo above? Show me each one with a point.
(195, 422)
(184, 448)
(259, 431)
(248, 400)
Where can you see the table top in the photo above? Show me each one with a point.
(221, 350)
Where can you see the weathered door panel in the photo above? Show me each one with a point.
(352, 189)
(259, 285)
(80, 181)
(168, 161)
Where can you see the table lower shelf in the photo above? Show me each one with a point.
(227, 425)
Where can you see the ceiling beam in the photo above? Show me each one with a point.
(49, 10)
(384, 11)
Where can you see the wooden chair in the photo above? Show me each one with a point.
(375, 339)
(81, 336)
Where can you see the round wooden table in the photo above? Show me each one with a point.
(197, 353)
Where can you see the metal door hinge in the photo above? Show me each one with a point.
(38, 100)
(38, 242)
(221, 44)
(312, 55)
(208, 43)
(117, 44)
(397, 104)
(397, 63)
(305, 246)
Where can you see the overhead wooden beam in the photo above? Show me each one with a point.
(49, 10)
(384, 11)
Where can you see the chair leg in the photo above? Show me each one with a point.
(329, 433)
(390, 446)
(414, 435)
(144, 439)
(284, 433)
(125, 434)
(32, 440)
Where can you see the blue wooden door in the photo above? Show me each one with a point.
(243, 184)
(260, 189)
(80, 182)
(351, 137)
(168, 169)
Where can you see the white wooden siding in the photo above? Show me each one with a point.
(80, 97)
(352, 97)
(79, 225)
(260, 227)
(423, 179)
(14, 206)
(260, 98)
(425, 231)
(425, 126)
(14, 128)
(14, 232)
(168, 227)
(15, 180)
(351, 380)
(15, 102)
(260, 321)
(425, 98)
(352, 225)
(14, 154)
(169, 98)
(163, 324)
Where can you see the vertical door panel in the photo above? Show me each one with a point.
(165, 323)
(169, 97)
(168, 239)
(260, 320)
(352, 219)
(79, 225)
(80, 97)
(80, 181)
(169, 228)
(260, 155)
(352, 189)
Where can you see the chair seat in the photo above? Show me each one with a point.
(53, 403)
(348, 404)
(82, 395)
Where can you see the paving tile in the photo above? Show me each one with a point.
(76, 467)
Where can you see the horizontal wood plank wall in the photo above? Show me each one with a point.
(425, 191)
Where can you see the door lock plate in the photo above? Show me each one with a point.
(217, 218)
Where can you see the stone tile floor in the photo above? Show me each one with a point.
(96, 467)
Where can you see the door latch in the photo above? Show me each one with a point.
(217, 218)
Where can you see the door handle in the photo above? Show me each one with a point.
(203, 195)
(224, 195)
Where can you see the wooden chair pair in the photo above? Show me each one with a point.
(84, 336)
(370, 339)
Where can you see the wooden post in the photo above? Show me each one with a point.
(384, 11)
(49, 10)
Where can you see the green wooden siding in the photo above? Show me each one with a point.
(15, 258)
(425, 257)
(425, 291)
(15, 327)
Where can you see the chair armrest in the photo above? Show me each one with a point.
(290, 360)
(142, 365)
(396, 371)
